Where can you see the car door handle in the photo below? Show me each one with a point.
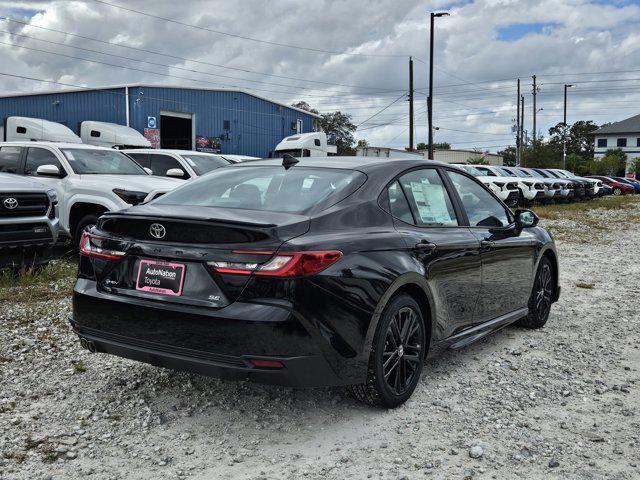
(487, 244)
(425, 246)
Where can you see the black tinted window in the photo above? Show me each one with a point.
(159, 164)
(398, 205)
(40, 156)
(9, 158)
(141, 158)
(428, 198)
(482, 209)
(270, 188)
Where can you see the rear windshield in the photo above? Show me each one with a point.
(89, 161)
(202, 164)
(270, 188)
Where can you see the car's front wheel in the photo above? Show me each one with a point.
(397, 355)
(541, 296)
(617, 191)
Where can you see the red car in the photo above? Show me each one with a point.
(619, 188)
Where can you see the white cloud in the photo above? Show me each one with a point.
(586, 37)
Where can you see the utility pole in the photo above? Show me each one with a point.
(430, 97)
(564, 129)
(534, 108)
(522, 139)
(410, 104)
(518, 127)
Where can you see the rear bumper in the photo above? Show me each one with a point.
(208, 341)
(305, 371)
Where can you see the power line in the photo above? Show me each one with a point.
(244, 37)
(162, 74)
(143, 50)
(382, 110)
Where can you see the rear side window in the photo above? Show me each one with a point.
(482, 209)
(9, 158)
(428, 199)
(37, 157)
(269, 188)
(398, 205)
(141, 158)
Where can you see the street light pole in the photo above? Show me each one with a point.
(430, 97)
(564, 125)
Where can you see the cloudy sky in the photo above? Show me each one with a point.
(347, 55)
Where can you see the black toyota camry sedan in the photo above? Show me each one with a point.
(313, 272)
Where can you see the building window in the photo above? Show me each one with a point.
(602, 143)
(299, 126)
(622, 142)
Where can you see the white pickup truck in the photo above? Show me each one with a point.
(88, 180)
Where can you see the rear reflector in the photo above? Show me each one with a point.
(289, 264)
(91, 245)
(266, 363)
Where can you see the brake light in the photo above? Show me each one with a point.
(289, 264)
(91, 245)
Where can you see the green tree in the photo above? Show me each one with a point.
(362, 143)
(337, 124)
(579, 137)
(436, 146)
(541, 155)
(508, 156)
(613, 163)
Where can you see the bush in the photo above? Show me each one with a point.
(613, 163)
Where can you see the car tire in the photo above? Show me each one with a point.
(85, 223)
(541, 297)
(617, 191)
(398, 350)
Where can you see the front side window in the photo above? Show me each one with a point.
(602, 143)
(161, 164)
(37, 157)
(482, 209)
(85, 161)
(622, 142)
(428, 199)
(202, 164)
(9, 158)
(268, 188)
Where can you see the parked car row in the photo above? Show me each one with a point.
(524, 186)
(65, 187)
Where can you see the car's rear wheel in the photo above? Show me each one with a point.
(541, 297)
(85, 223)
(397, 355)
(617, 191)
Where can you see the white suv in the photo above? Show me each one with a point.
(184, 164)
(88, 180)
(505, 190)
(530, 190)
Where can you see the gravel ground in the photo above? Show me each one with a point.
(561, 402)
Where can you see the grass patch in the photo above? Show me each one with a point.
(586, 285)
(79, 367)
(558, 211)
(38, 284)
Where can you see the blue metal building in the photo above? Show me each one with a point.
(233, 122)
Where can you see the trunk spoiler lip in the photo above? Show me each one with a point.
(210, 220)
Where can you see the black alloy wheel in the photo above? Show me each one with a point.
(541, 297)
(617, 191)
(397, 355)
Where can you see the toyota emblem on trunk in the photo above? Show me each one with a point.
(10, 203)
(157, 231)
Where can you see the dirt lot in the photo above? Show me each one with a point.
(561, 402)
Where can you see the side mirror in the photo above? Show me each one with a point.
(176, 173)
(48, 171)
(526, 219)
(148, 170)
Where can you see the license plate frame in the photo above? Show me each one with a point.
(156, 282)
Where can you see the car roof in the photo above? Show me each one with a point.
(363, 164)
(54, 144)
(170, 150)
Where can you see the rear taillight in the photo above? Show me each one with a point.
(289, 264)
(91, 245)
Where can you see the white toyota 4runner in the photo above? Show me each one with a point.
(88, 180)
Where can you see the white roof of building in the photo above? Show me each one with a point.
(151, 85)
